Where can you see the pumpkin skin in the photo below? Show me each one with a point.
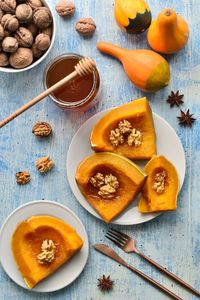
(132, 16)
(26, 245)
(147, 70)
(130, 177)
(169, 33)
(138, 113)
(150, 201)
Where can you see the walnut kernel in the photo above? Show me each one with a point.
(42, 129)
(44, 164)
(159, 182)
(65, 8)
(86, 26)
(23, 178)
(116, 138)
(107, 185)
(47, 254)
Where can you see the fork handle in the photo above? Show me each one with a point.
(170, 274)
(155, 283)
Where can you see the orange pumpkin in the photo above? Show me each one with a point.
(148, 70)
(26, 245)
(168, 33)
(161, 189)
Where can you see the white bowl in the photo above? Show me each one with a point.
(12, 70)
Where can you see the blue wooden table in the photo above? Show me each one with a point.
(173, 239)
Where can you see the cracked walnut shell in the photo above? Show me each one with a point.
(65, 8)
(86, 26)
(44, 164)
(42, 129)
(23, 178)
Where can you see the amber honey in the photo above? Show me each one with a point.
(78, 92)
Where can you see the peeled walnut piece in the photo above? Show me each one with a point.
(8, 6)
(42, 41)
(4, 61)
(42, 17)
(86, 26)
(10, 22)
(22, 58)
(65, 8)
(44, 164)
(23, 178)
(1, 32)
(34, 3)
(9, 44)
(42, 129)
(24, 37)
(24, 13)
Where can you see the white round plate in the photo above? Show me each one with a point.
(69, 271)
(168, 144)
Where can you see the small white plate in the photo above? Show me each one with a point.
(168, 144)
(69, 271)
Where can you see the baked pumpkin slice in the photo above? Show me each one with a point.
(160, 190)
(109, 182)
(41, 244)
(126, 130)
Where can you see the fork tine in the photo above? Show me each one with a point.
(119, 233)
(116, 238)
(114, 241)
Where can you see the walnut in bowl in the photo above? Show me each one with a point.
(24, 27)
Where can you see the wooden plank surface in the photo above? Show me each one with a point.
(173, 239)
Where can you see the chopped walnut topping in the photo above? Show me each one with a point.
(125, 127)
(159, 182)
(47, 254)
(135, 138)
(23, 178)
(107, 185)
(125, 133)
(116, 137)
(97, 180)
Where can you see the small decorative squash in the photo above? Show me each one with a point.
(132, 16)
(136, 114)
(41, 245)
(161, 187)
(168, 33)
(148, 70)
(109, 182)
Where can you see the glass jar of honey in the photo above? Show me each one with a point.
(78, 93)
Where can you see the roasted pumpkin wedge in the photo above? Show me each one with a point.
(137, 144)
(161, 187)
(109, 182)
(41, 245)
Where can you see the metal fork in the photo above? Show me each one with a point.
(128, 244)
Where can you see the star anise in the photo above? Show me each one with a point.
(175, 99)
(186, 118)
(105, 283)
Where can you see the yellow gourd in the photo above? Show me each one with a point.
(168, 33)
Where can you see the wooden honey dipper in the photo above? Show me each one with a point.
(84, 67)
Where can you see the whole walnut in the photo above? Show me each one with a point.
(24, 13)
(22, 58)
(86, 26)
(10, 22)
(8, 6)
(9, 44)
(24, 37)
(3, 59)
(65, 8)
(34, 3)
(42, 41)
(42, 17)
(33, 29)
(1, 32)
(1, 14)
(47, 31)
(36, 52)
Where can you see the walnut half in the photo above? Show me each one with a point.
(23, 177)
(42, 129)
(44, 164)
